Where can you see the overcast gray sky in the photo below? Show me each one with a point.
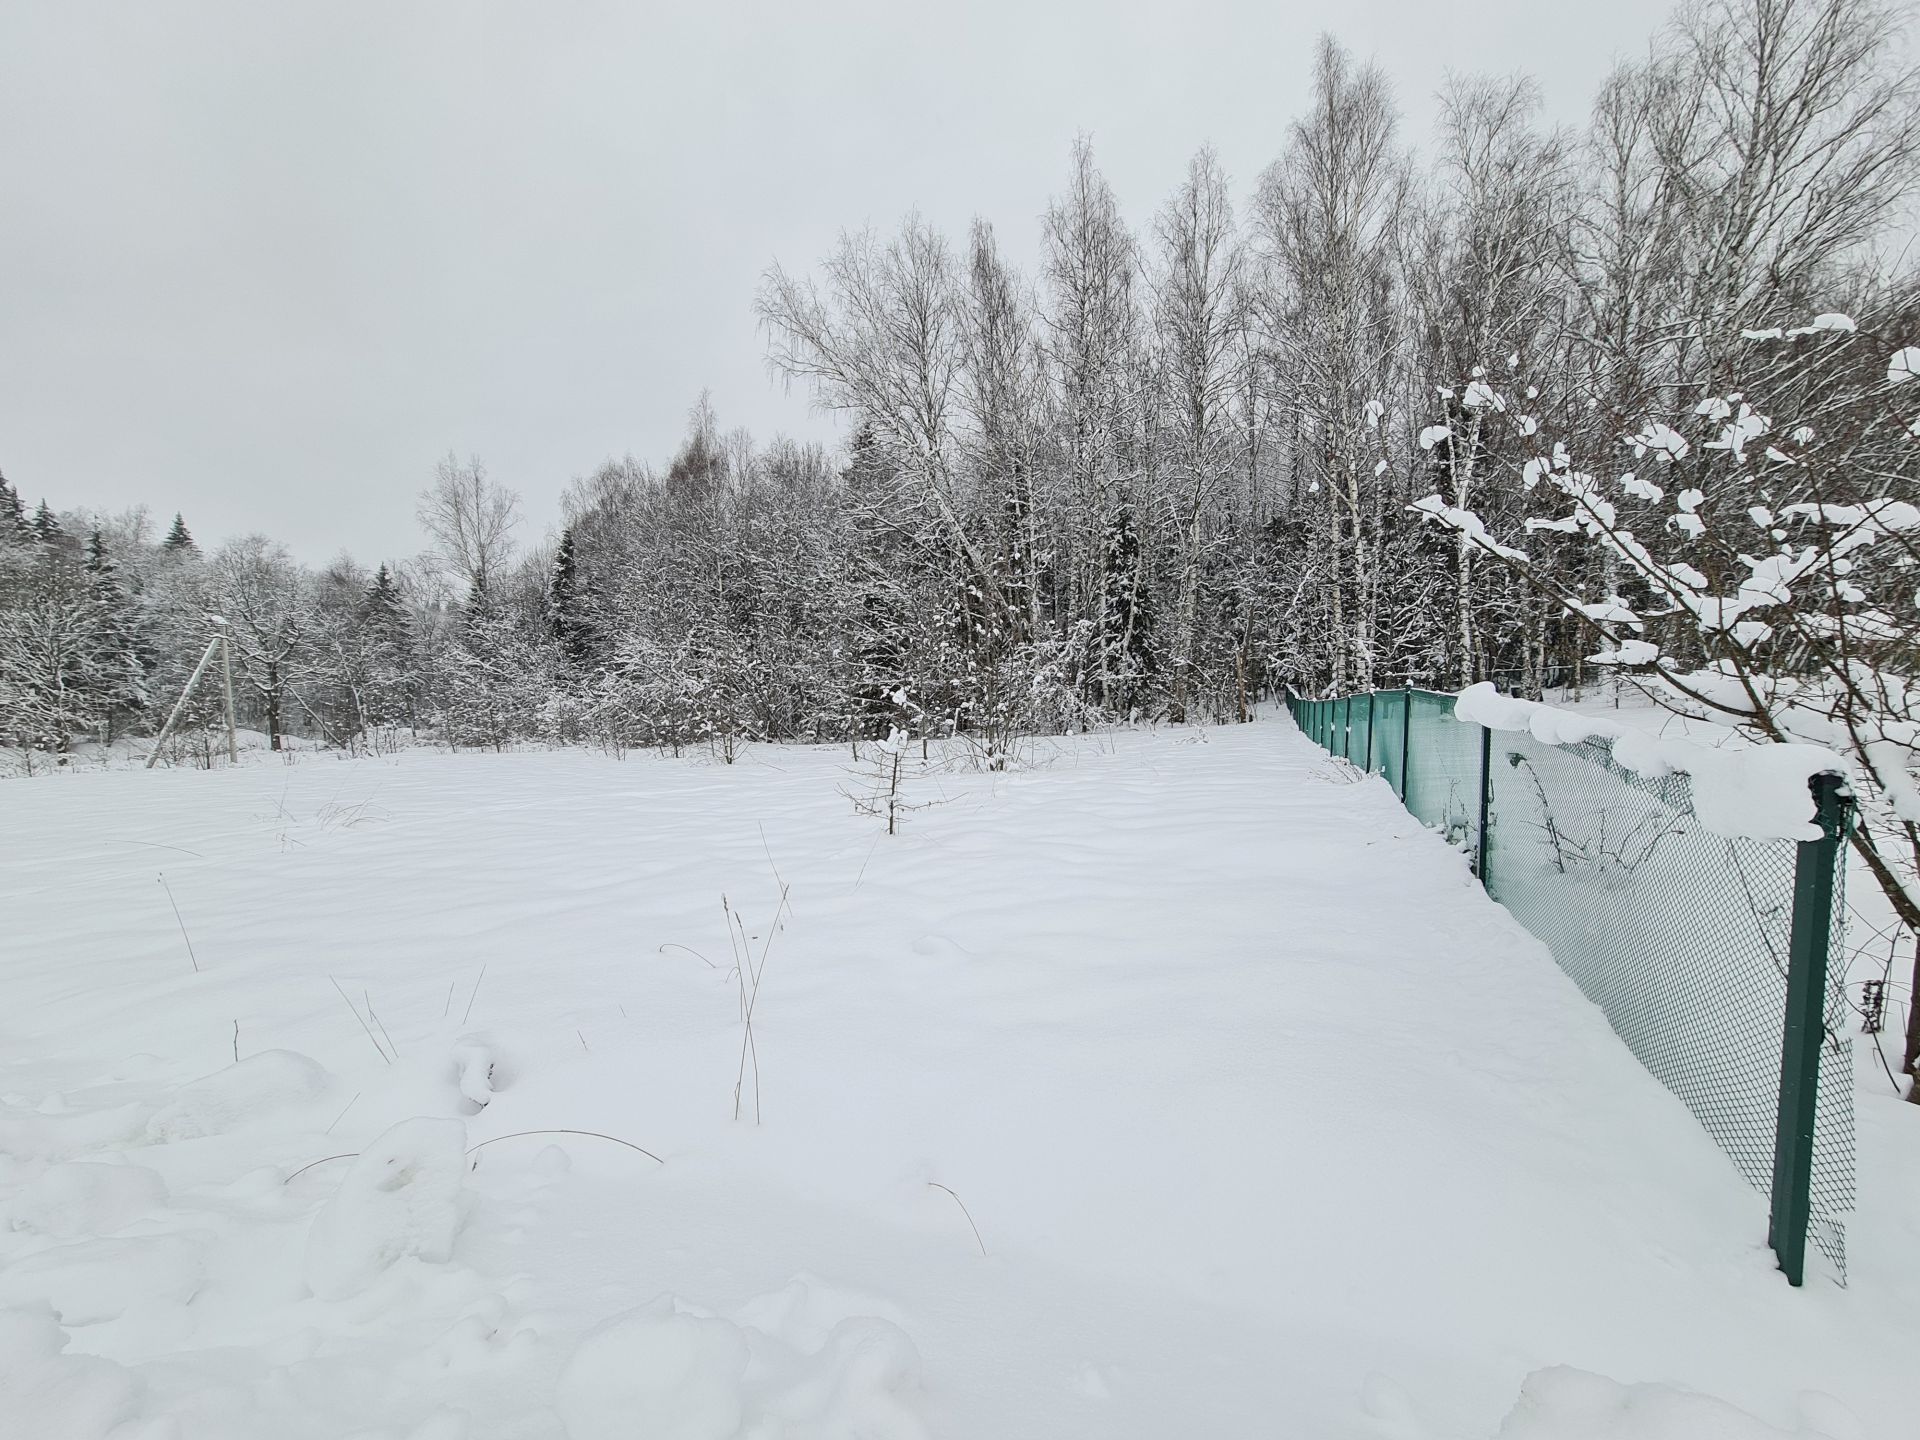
(263, 263)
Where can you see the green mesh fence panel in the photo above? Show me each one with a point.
(1680, 936)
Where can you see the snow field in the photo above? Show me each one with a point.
(1268, 1122)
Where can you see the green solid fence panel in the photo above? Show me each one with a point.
(1390, 712)
(1443, 771)
(1706, 954)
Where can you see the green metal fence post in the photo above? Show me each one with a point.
(1486, 788)
(1406, 739)
(1370, 695)
(1803, 1031)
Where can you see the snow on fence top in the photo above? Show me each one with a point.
(1757, 792)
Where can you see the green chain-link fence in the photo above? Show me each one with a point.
(1707, 954)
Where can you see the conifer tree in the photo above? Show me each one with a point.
(13, 515)
(179, 539)
(566, 606)
(388, 643)
(117, 671)
(46, 526)
(48, 686)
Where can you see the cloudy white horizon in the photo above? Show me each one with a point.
(266, 264)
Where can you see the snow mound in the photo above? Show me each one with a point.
(404, 1196)
(86, 1198)
(92, 1281)
(1568, 1404)
(27, 1135)
(45, 1393)
(682, 1372)
(702, 1378)
(229, 1098)
(477, 1070)
(1758, 792)
(856, 1387)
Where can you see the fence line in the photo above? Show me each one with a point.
(1707, 954)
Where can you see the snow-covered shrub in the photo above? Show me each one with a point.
(405, 1195)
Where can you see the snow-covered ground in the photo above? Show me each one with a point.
(1176, 1085)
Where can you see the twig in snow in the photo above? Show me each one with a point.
(583, 1040)
(154, 845)
(864, 863)
(447, 1009)
(182, 923)
(392, 1049)
(476, 990)
(350, 1155)
(964, 1211)
(372, 1039)
(676, 945)
(749, 973)
(597, 1135)
(343, 1113)
(236, 1042)
(767, 850)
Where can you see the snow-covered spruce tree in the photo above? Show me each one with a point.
(119, 663)
(50, 676)
(568, 609)
(1763, 553)
(13, 516)
(179, 539)
(498, 673)
(391, 693)
(47, 530)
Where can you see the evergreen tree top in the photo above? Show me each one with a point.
(383, 595)
(179, 537)
(46, 525)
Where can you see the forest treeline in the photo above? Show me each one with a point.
(1158, 474)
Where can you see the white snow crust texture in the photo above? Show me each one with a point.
(1563, 1403)
(668, 1374)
